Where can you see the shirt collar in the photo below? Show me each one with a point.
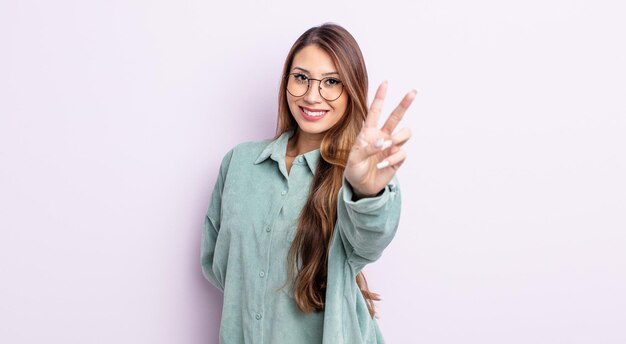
(277, 148)
(312, 158)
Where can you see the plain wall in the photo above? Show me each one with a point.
(114, 116)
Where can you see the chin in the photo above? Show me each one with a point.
(310, 128)
(316, 127)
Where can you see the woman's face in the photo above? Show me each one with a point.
(312, 112)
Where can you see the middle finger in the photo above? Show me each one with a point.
(398, 112)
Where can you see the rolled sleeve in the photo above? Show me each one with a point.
(368, 225)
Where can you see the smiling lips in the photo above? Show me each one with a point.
(312, 114)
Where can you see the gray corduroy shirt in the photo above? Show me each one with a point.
(249, 226)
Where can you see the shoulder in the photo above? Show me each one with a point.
(245, 152)
(251, 147)
(249, 150)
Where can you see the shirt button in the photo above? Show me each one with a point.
(284, 192)
(258, 316)
(262, 274)
(300, 159)
(268, 228)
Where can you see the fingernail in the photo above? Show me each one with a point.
(379, 143)
(386, 144)
(382, 164)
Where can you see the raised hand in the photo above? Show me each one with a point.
(377, 153)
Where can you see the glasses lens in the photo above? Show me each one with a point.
(297, 85)
(330, 88)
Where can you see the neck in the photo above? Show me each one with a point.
(302, 142)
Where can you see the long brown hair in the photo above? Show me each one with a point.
(316, 223)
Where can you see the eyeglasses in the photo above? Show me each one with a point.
(298, 85)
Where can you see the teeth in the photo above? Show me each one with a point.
(314, 114)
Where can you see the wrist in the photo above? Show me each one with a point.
(357, 194)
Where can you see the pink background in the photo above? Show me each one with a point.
(114, 116)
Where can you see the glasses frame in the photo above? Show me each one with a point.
(308, 87)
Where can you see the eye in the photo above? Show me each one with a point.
(300, 77)
(331, 82)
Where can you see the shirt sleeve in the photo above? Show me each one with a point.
(368, 225)
(212, 221)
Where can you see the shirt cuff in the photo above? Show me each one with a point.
(368, 204)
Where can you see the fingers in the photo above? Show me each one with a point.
(394, 160)
(398, 112)
(377, 106)
(368, 149)
(401, 137)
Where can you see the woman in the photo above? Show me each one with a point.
(293, 221)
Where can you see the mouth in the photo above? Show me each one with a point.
(312, 114)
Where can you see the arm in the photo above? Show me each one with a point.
(368, 225)
(212, 222)
(368, 208)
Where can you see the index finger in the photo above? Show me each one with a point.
(398, 112)
(377, 106)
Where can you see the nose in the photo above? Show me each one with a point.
(313, 95)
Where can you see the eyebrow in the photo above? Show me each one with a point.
(306, 71)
